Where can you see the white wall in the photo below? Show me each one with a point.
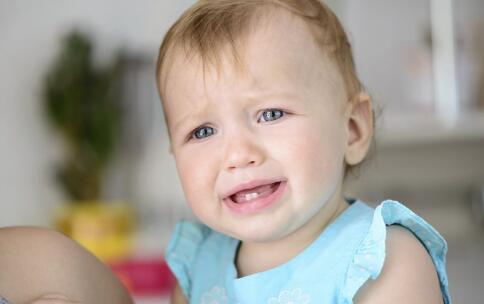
(30, 33)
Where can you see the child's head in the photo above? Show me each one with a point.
(262, 93)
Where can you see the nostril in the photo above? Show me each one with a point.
(242, 164)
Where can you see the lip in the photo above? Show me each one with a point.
(258, 204)
(251, 185)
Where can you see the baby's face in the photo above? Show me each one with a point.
(259, 151)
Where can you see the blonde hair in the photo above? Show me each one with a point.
(210, 26)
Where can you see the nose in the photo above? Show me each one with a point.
(242, 151)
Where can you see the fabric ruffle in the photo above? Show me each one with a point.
(369, 258)
(182, 251)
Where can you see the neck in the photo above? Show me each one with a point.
(253, 257)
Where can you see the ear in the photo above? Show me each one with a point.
(359, 127)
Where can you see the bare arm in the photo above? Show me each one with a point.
(408, 275)
(177, 297)
(38, 263)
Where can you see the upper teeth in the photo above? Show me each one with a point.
(251, 196)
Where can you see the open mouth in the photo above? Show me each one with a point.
(254, 199)
(259, 192)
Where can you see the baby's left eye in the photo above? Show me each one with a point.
(271, 115)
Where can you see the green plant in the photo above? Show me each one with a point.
(83, 102)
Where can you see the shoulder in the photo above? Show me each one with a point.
(408, 274)
(49, 262)
(44, 244)
(22, 242)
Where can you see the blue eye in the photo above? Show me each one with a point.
(271, 115)
(202, 132)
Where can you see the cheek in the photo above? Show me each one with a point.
(197, 175)
(315, 159)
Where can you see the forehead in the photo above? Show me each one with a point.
(280, 53)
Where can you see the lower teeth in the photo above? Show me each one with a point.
(251, 196)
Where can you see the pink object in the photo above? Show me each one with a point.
(145, 276)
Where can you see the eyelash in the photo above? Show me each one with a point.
(193, 134)
(281, 112)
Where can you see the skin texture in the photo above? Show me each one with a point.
(177, 297)
(408, 275)
(39, 266)
(283, 68)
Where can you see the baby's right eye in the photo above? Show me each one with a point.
(202, 132)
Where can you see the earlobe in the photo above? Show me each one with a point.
(359, 123)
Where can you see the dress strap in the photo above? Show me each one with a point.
(182, 251)
(369, 257)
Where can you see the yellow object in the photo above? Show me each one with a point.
(105, 229)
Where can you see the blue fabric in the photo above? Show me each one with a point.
(331, 270)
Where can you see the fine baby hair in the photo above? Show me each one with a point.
(209, 27)
(266, 115)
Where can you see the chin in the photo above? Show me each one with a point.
(258, 232)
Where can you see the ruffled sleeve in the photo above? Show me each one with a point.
(182, 251)
(370, 255)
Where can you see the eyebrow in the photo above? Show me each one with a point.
(182, 121)
(191, 115)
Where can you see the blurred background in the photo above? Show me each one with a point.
(83, 146)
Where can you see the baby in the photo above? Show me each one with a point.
(266, 117)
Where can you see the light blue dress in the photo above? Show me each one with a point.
(330, 270)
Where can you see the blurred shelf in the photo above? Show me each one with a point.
(410, 129)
